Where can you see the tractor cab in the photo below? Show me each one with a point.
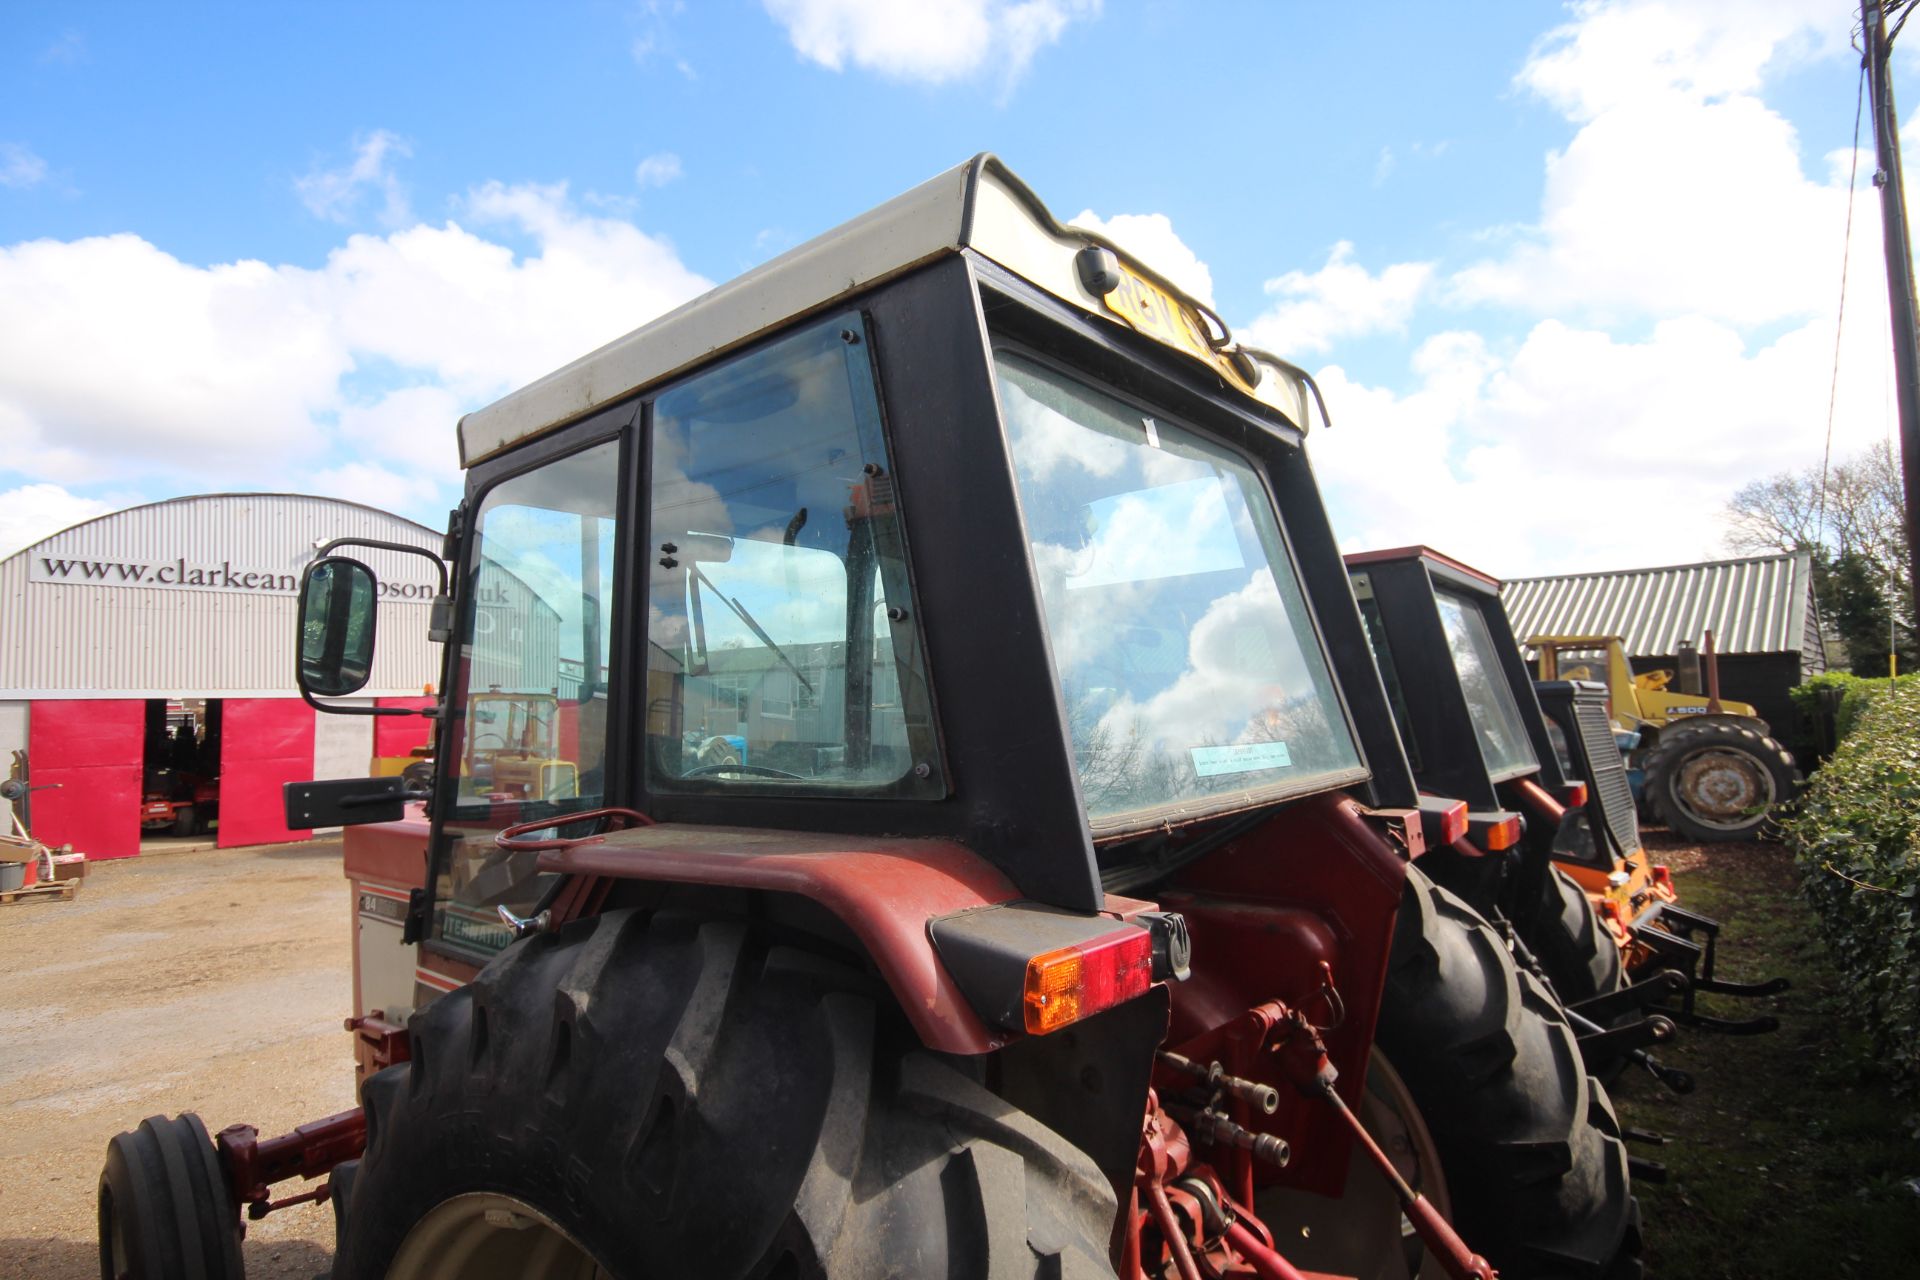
(981, 797)
(1474, 735)
(1582, 894)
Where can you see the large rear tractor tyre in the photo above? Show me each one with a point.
(1528, 1142)
(1717, 780)
(1574, 949)
(667, 1095)
(183, 821)
(164, 1209)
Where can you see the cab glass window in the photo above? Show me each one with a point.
(530, 708)
(1490, 701)
(1187, 658)
(782, 653)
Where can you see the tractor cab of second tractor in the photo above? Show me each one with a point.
(1476, 740)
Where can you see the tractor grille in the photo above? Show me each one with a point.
(1606, 772)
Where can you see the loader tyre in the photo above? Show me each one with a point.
(1528, 1142)
(165, 1211)
(1575, 950)
(667, 1095)
(1719, 780)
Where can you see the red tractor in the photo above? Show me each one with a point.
(1048, 910)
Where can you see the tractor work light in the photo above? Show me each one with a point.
(1077, 981)
(1575, 796)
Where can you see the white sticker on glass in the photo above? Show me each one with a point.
(1210, 762)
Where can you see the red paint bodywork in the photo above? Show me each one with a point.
(265, 743)
(1318, 883)
(1407, 553)
(883, 889)
(87, 753)
(389, 853)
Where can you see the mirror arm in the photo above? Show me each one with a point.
(440, 619)
(439, 565)
(433, 712)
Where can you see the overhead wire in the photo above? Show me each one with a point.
(1840, 315)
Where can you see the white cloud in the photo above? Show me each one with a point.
(1667, 205)
(1341, 300)
(1678, 220)
(1579, 450)
(935, 42)
(1618, 52)
(20, 167)
(1150, 237)
(657, 170)
(238, 375)
(657, 38)
(337, 194)
(375, 485)
(35, 511)
(1682, 192)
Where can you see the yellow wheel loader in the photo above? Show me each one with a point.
(1709, 768)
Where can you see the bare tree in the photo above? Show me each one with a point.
(1864, 514)
(1857, 537)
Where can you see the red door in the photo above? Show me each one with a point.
(265, 743)
(88, 752)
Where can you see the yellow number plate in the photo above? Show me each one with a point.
(1156, 313)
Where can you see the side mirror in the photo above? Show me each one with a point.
(339, 601)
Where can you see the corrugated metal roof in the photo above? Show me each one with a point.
(195, 597)
(1759, 604)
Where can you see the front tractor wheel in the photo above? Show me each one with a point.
(165, 1212)
(667, 1095)
(1717, 780)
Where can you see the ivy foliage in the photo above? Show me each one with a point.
(1857, 694)
(1856, 838)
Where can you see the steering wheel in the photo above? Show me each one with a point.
(478, 742)
(734, 766)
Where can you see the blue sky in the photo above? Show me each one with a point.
(1589, 250)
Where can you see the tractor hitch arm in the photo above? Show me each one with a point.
(310, 1151)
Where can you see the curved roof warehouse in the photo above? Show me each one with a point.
(192, 600)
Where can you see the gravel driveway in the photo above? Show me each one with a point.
(213, 981)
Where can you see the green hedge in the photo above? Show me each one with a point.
(1858, 694)
(1856, 837)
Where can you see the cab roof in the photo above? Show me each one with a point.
(979, 206)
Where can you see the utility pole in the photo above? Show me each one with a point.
(1899, 253)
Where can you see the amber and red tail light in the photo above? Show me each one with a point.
(1032, 968)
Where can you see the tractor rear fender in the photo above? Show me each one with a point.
(888, 893)
(1087, 1082)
